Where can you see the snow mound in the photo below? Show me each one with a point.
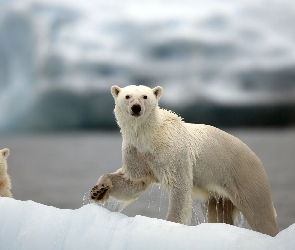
(30, 225)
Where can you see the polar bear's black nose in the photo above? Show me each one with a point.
(136, 109)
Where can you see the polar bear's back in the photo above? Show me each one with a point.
(219, 158)
(210, 145)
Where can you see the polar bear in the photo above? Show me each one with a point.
(189, 161)
(5, 184)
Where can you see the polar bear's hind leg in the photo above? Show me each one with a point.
(261, 218)
(219, 210)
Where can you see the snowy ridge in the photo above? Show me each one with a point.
(30, 225)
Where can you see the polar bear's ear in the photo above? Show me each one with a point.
(115, 91)
(158, 91)
(5, 152)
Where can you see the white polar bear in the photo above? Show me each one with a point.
(5, 184)
(188, 160)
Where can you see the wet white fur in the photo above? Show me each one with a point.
(5, 184)
(188, 160)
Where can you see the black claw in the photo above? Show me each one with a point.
(102, 194)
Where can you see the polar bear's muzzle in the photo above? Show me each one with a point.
(136, 109)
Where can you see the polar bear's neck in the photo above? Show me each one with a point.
(137, 130)
(3, 170)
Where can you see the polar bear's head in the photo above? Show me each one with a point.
(136, 101)
(3, 156)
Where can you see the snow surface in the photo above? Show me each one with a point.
(30, 225)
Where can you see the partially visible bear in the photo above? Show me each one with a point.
(5, 184)
(188, 160)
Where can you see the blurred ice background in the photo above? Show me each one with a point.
(220, 62)
(226, 63)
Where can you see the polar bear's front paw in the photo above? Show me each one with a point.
(98, 192)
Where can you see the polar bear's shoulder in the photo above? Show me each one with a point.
(168, 115)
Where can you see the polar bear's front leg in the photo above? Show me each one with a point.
(118, 186)
(180, 205)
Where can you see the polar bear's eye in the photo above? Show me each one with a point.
(127, 96)
(144, 97)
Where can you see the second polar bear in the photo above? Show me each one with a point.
(5, 184)
(188, 160)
